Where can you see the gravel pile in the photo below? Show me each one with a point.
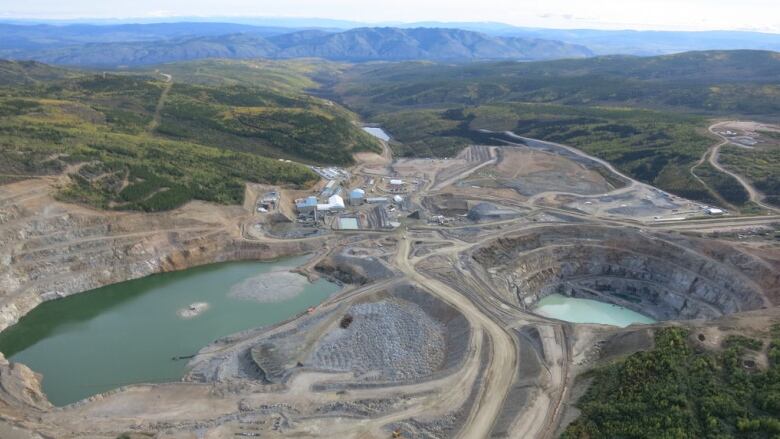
(386, 340)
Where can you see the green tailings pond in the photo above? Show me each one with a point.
(130, 332)
(571, 309)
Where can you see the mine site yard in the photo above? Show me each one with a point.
(435, 330)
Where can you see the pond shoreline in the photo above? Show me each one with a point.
(580, 310)
(81, 332)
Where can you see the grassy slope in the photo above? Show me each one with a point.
(30, 72)
(212, 138)
(123, 170)
(724, 185)
(676, 391)
(744, 82)
(292, 76)
(260, 107)
(761, 165)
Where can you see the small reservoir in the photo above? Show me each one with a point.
(379, 133)
(572, 309)
(138, 331)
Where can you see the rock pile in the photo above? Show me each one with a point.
(390, 340)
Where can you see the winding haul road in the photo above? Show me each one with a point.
(712, 155)
(503, 362)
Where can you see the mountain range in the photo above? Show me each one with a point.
(153, 44)
(109, 43)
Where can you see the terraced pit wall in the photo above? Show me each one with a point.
(660, 275)
(69, 254)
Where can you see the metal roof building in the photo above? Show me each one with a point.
(335, 202)
(357, 193)
(356, 196)
(307, 204)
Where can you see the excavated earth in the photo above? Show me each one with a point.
(664, 276)
(433, 335)
(389, 337)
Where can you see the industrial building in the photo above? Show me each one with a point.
(269, 201)
(332, 188)
(330, 173)
(357, 197)
(335, 203)
(396, 185)
(306, 205)
(377, 200)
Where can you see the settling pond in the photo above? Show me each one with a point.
(571, 309)
(130, 332)
(379, 133)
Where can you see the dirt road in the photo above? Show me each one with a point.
(160, 103)
(712, 155)
(503, 364)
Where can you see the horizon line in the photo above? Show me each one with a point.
(171, 19)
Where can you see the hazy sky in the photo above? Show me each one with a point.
(762, 15)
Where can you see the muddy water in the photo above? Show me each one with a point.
(130, 332)
(575, 310)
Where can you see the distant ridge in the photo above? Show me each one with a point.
(110, 43)
(362, 44)
(439, 44)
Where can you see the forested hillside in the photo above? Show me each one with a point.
(140, 141)
(677, 390)
(741, 82)
(648, 116)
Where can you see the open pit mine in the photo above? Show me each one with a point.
(430, 330)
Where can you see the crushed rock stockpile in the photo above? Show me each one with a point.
(662, 276)
(395, 339)
(394, 336)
